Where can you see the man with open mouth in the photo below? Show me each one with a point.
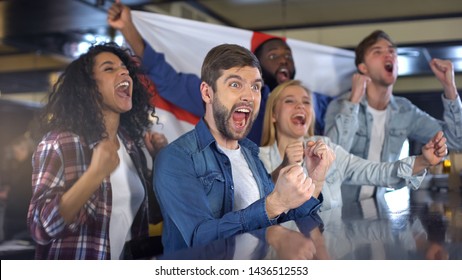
(372, 123)
(210, 182)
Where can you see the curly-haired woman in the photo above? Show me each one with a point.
(89, 178)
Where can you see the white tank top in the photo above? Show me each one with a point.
(127, 195)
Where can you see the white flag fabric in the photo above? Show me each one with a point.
(185, 43)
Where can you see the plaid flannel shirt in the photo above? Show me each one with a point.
(58, 162)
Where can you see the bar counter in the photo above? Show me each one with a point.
(398, 225)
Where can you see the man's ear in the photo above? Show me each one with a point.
(206, 92)
(362, 68)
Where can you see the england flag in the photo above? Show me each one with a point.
(185, 43)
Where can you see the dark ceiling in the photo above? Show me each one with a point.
(52, 27)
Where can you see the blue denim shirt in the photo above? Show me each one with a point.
(194, 186)
(350, 125)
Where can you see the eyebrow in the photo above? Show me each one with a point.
(293, 96)
(234, 76)
(275, 48)
(390, 46)
(109, 62)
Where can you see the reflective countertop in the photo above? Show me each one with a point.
(397, 225)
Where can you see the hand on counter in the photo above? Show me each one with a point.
(293, 245)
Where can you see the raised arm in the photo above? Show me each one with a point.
(404, 172)
(119, 17)
(103, 161)
(154, 142)
(293, 154)
(181, 89)
(318, 159)
(432, 153)
(444, 72)
(56, 205)
(342, 122)
(292, 189)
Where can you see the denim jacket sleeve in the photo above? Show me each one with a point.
(452, 126)
(358, 171)
(308, 208)
(422, 127)
(181, 89)
(342, 122)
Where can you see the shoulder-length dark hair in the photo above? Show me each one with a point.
(75, 103)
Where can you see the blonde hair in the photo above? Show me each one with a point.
(269, 127)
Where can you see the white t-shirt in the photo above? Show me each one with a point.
(246, 190)
(375, 145)
(127, 195)
(377, 133)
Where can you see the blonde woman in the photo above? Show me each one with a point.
(288, 128)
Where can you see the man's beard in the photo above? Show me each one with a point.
(222, 115)
(270, 78)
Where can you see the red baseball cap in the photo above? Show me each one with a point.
(259, 38)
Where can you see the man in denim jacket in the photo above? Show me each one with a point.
(372, 123)
(210, 182)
